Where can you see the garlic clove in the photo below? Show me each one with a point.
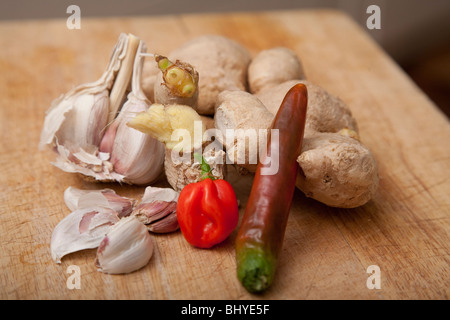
(123, 206)
(135, 155)
(79, 199)
(81, 229)
(73, 195)
(127, 247)
(166, 225)
(158, 216)
(158, 209)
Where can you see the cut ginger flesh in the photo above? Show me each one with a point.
(173, 125)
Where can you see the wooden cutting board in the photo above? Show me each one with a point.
(404, 229)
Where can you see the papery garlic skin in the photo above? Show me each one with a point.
(82, 229)
(84, 125)
(90, 165)
(159, 194)
(127, 247)
(79, 199)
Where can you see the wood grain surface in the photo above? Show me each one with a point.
(404, 229)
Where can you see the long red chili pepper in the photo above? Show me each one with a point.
(261, 233)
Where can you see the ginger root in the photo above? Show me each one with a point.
(221, 63)
(273, 66)
(335, 167)
(336, 170)
(180, 174)
(177, 83)
(326, 113)
(241, 111)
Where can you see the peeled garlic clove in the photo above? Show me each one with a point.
(127, 247)
(78, 199)
(81, 229)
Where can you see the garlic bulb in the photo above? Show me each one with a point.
(76, 125)
(127, 247)
(81, 99)
(81, 229)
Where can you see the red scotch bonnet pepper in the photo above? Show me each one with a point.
(207, 210)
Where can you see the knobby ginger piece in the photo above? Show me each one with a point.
(221, 63)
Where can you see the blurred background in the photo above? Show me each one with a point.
(415, 33)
